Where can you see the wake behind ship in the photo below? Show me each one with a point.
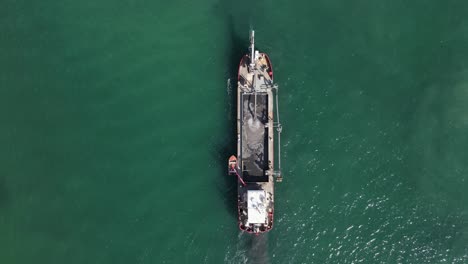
(255, 162)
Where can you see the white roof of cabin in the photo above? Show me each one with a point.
(256, 207)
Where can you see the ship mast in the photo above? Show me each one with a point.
(252, 49)
(252, 68)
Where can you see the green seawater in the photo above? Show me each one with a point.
(116, 121)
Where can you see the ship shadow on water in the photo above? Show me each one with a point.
(227, 146)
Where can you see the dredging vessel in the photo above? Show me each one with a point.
(254, 165)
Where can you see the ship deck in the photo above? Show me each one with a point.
(255, 144)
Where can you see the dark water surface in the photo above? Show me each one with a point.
(116, 123)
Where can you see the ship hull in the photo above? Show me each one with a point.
(255, 145)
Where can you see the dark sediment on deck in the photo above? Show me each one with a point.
(254, 137)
